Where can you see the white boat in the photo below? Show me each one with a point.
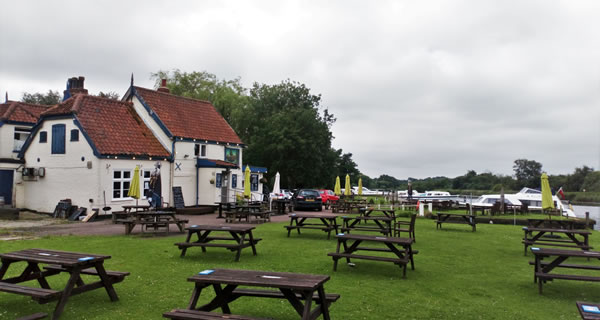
(431, 196)
(528, 196)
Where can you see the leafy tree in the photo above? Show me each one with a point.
(528, 173)
(50, 98)
(226, 95)
(347, 166)
(592, 182)
(575, 181)
(286, 132)
(110, 95)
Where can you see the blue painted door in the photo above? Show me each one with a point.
(6, 185)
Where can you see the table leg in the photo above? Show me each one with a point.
(337, 250)
(195, 295)
(4, 267)
(221, 300)
(295, 302)
(240, 244)
(66, 293)
(324, 304)
(41, 280)
(252, 242)
(106, 282)
(187, 240)
(307, 305)
(219, 292)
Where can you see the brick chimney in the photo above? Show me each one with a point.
(75, 86)
(163, 86)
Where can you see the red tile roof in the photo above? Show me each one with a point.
(189, 118)
(113, 126)
(21, 112)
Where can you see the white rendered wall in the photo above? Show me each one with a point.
(7, 140)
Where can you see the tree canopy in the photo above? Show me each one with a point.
(50, 98)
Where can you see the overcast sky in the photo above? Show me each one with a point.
(419, 88)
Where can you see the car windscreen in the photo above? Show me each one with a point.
(308, 193)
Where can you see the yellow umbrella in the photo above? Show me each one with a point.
(134, 186)
(247, 182)
(547, 202)
(348, 189)
(338, 189)
(360, 186)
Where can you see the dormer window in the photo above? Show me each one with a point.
(21, 135)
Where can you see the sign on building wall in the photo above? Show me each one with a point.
(232, 155)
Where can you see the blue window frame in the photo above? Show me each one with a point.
(43, 136)
(74, 135)
(58, 139)
(253, 182)
(218, 180)
(234, 181)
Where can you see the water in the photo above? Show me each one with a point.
(594, 214)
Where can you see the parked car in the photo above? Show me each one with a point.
(328, 197)
(307, 199)
(287, 193)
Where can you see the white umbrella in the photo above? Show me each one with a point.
(276, 188)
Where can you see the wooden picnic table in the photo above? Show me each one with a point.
(467, 218)
(387, 212)
(542, 270)
(240, 212)
(301, 290)
(546, 223)
(227, 205)
(56, 262)
(298, 221)
(588, 310)
(241, 236)
(152, 219)
(141, 207)
(382, 224)
(400, 247)
(281, 204)
(535, 236)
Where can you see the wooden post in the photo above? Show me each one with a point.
(587, 220)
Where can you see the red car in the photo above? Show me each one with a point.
(328, 197)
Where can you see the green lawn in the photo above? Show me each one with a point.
(459, 275)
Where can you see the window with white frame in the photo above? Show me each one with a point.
(253, 182)
(121, 182)
(21, 135)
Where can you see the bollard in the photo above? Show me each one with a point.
(587, 220)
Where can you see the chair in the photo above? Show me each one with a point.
(406, 226)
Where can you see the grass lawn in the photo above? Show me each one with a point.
(459, 275)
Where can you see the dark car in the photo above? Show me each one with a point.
(307, 199)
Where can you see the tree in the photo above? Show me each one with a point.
(226, 95)
(592, 182)
(286, 132)
(528, 173)
(347, 166)
(109, 95)
(50, 98)
(575, 181)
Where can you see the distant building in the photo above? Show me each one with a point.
(16, 121)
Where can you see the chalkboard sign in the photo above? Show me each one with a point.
(178, 197)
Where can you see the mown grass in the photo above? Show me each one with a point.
(459, 275)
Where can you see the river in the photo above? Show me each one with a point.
(594, 214)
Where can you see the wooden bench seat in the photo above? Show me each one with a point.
(229, 246)
(403, 261)
(329, 297)
(184, 314)
(542, 275)
(572, 266)
(555, 244)
(40, 295)
(35, 316)
(117, 275)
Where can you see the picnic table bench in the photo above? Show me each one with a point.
(298, 221)
(299, 289)
(534, 236)
(247, 211)
(546, 223)
(240, 235)
(542, 269)
(57, 262)
(152, 220)
(588, 310)
(400, 247)
(457, 218)
(382, 224)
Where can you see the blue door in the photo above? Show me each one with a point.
(6, 185)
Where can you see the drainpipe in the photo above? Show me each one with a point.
(197, 182)
(172, 167)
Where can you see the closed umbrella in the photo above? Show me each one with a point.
(276, 188)
(547, 202)
(338, 189)
(347, 190)
(360, 186)
(134, 186)
(247, 183)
